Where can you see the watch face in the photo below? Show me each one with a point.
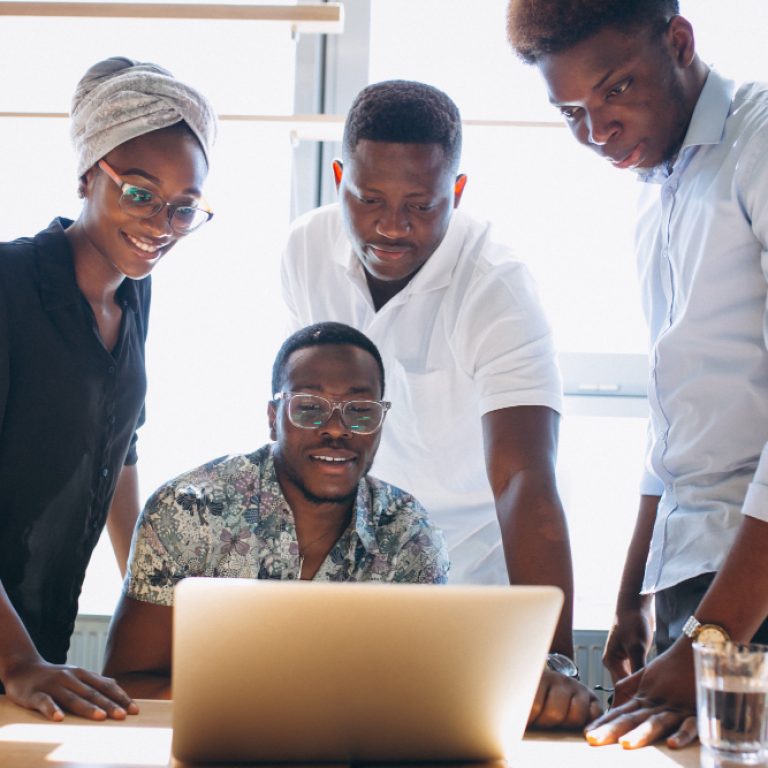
(709, 634)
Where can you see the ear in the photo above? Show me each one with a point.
(338, 168)
(681, 41)
(272, 419)
(85, 183)
(458, 189)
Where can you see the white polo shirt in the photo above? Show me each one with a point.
(466, 336)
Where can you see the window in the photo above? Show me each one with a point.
(217, 314)
(571, 219)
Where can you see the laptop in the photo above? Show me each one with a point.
(284, 671)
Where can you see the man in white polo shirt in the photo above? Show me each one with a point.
(474, 381)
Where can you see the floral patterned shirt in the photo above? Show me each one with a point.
(230, 518)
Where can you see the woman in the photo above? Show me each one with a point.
(74, 303)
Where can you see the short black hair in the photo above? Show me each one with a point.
(404, 112)
(322, 334)
(536, 28)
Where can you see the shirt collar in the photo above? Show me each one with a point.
(707, 125)
(58, 286)
(436, 272)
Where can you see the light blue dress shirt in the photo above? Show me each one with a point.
(701, 251)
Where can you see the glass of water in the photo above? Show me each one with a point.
(732, 703)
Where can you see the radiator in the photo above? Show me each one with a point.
(87, 649)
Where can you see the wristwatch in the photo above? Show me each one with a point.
(704, 633)
(559, 662)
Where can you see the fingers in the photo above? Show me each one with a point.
(686, 734)
(653, 728)
(615, 724)
(117, 699)
(594, 729)
(635, 726)
(538, 702)
(46, 706)
(53, 689)
(97, 697)
(563, 703)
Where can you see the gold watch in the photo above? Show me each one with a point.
(704, 633)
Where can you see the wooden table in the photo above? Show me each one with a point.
(144, 741)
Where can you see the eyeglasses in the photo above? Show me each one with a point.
(362, 417)
(143, 204)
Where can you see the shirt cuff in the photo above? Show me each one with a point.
(650, 485)
(756, 502)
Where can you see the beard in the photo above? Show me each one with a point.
(295, 479)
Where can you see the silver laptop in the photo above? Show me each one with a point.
(273, 671)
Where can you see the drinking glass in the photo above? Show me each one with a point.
(732, 703)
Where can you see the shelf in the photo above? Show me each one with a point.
(325, 18)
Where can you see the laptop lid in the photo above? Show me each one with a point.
(340, 672)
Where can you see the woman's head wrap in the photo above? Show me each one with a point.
(119, 99)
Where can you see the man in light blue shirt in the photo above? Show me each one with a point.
(627, 79)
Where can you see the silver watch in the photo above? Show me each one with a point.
(559, 662)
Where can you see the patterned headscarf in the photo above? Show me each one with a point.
(119, 99)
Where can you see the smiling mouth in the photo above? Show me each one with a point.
(388, 252)
(144, 245)
(631, 160)
(332, 460)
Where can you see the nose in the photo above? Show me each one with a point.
(601, 128)
(160, 222)
(393, 223)
(335, 426)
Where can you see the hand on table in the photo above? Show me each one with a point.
(562, 702)
(52, 689)
(655, 702)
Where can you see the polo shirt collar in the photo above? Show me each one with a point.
(707, 125)
(58, 286)
(436, 272)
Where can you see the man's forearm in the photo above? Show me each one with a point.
(536, 546)
(738, 597)
(123, 514)
(637, 555)
(145, 685)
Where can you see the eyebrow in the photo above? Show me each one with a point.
(157, 182)
(599, 84)
(363, 390)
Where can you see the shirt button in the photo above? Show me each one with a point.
(104, 472)
(111, 369)
(111, 419)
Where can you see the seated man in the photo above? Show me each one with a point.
(302, 507)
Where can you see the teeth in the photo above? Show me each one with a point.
(146, 247)
(331, 459)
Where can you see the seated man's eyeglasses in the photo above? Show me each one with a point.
(143, 204)
(361, 417)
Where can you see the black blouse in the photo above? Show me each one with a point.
(69, 410)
